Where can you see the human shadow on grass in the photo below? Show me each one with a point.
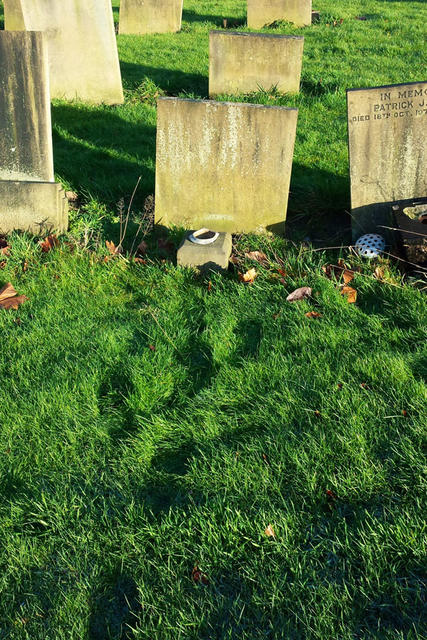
(171, 81)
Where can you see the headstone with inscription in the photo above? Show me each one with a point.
(265, 12)
(224, 166)
(29, 198)
(150, 16)
(387, 129)
(83, 58)
(242, 62)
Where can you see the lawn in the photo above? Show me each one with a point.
(153, 421)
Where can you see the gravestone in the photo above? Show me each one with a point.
(265, 12)
(224, 166)
(25, 124)
(83, 58)
(387, 128)
(29, 199)
(150, 16)
(245, 62)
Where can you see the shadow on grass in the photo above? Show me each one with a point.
(172, 81)
(115, 608)
(192, 16)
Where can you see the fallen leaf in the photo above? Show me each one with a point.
(313, 314)
(24, 266)
(198, 576)
(269, 531)
(282, 273)
(404, 413)
(317, 413)
(140, 260)
(7, 291)
(142, 247)
(151, 347)
(340, 386)
(5, 251)
(2, 264)
(9, 298)
(299, 294)
(234, 259)
(259, 256)
(112, 248)
(248, 277)
(71, 196)
(49, 243)
(347, 276)
(350, 293)
(363, 385)
(331, 495)
(209, 286)
(379, 273)
(264, 457)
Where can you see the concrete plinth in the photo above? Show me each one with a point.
(36, 207)
(207, 257)
(241, 62)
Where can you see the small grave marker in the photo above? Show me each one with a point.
(244, 62)
(387, 129)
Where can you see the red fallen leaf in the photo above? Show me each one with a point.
(112, 248)
(313, 314)
(209, 286)
(248, 277)
(151, 347)
(9, 298)
(269, 531)
(142, 247)
(49, 243)
(264, 457)
(198, 576)
(165, 245)
(363, 385)
(299, 294)
(282, 273)
(259, 256)
(331, 495)
(350, 293)
(340, 385)
(140, 260)
(404, 413)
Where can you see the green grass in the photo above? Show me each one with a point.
(151, 422)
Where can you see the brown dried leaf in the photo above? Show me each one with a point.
(259, 256)
(269, 531)
(248, 277)
(7, 291)
(49, 243)
(313, 314)
(12, 303)
(379, 273)
(198, 576)
(299, 294)
(112, 248)
(350, 293)
(347, 276)
(5, 251)
(142, 247)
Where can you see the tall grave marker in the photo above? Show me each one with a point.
(29, 198)
(150, 16)
(264, 12)
(387, 129)
(83, 58)
(221, 165)
(243, 62)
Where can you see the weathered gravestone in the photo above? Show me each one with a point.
(387, 129)
(264, 12)
(150, 16)
(29, 199)
(244, 62)
(83, 58)
(224, 166)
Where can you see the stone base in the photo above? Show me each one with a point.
(36, 207)
(206, 257)
(412, 230)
